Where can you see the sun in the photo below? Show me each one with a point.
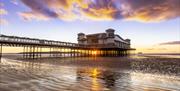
(94, 52)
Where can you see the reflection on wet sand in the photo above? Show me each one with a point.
(87, 74)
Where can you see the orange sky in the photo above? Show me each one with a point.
(147, 23)
(144, 49)
(159, 49)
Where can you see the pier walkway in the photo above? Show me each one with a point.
(35, 48)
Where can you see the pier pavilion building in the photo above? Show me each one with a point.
(107, 39)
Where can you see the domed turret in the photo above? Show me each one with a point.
(128, 40)
(81, 36)
(110, 30)
(110, 33)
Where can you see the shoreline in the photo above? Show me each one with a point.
(155, 65)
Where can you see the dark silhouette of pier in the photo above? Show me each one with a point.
(35, 48)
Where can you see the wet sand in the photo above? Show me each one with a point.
(135, 73)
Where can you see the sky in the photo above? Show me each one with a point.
(152, 25)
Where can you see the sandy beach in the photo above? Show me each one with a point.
(133, 73)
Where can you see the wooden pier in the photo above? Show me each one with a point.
(35, 48)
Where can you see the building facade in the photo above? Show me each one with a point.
(107, 39)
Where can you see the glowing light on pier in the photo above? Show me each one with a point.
(94, 52)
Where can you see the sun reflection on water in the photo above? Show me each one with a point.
(94, 72)
(95, 83)
(53, 75)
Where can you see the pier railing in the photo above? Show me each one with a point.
(33, 41)
(33, 48)
(42, 42)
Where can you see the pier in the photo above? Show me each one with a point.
(35, 48)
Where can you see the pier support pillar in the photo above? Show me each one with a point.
(49, 52)
(71, 52)
(63, 52)
(30, 52)
(40, 52)
(1, 51)
(23, 52)
(33, 53)
(74, 52)
(27, 52)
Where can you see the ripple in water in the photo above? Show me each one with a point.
(89, 74)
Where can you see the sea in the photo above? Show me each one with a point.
(130, 73)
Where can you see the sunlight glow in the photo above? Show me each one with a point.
(95, 72)
(95, 84)
(94, 52)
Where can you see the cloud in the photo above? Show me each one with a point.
(152, 10)
(136, 10)
(150, 49)
(3, 11)
(14, 2)
(156, 49)
(1, 4)
(28, 16)
(171, 43)
(3, 22)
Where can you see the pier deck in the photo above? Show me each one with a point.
(34, 48)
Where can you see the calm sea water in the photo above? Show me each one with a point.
(135, 73)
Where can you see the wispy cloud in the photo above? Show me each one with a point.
(28, 16)
(138, 10)
(3, 12)
(3, 22)
(15, 2)
(1, 4)
(156, 49)
(152, 10)
(171, 43)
